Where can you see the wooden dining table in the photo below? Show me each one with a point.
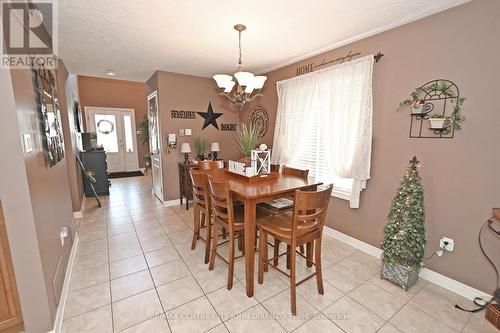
(252, 193)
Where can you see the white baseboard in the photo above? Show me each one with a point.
(64, 294)
(168, 203)
(79, 214)
(426, 274)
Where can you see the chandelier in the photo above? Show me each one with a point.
(248, 83)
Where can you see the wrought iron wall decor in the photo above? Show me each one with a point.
(435, 110)
(49, 113)
(260, 120)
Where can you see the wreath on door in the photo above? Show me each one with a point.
(105, 126)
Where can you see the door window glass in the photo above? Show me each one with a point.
(129, 140)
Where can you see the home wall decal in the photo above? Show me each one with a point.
(311, 67)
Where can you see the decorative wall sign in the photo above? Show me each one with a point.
(182, 114)
(311, 67)
(210, 117)
(49, 114)
(228, 127)
(260, 120)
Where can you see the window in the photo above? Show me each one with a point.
(324, 124)
(129, 141)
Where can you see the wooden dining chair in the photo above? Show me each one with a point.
(202, 209)
(210, 165)
(228, 217)
(302, 226)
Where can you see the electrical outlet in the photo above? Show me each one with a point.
(447, 244)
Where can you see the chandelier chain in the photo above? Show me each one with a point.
(239, 46)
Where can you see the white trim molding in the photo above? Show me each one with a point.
(79, 214)
(426, 274)
(64, 294)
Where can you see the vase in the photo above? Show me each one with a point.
(403, 276)
(437, 123)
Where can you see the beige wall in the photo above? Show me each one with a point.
(68, 88)
(101, 92)
(185, 92)
(461, 176)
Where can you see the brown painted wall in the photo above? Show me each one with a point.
(115, 94)
(48, 187)
(461, 176)
(68, 87)
(185, 92)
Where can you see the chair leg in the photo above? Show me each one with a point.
(208, 237)
(301, 249)
(276, 251)
(309, 253)
(288, 256)
(317, 261)
(213, 250)
(240, 244)
(196, 227)
(224, 232)
(262, 246)
(242, 240)
(230, 270)
(293, 292)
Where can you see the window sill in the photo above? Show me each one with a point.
(341, 193)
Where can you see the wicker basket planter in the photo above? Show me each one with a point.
(403, 276)
(493, 315)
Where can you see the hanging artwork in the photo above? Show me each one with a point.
(210, 117)
(260, 120)
(49, 114)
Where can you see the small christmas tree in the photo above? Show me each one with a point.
(404, 233)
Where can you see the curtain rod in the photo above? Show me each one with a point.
(378, 56)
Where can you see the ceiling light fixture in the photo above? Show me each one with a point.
(110, 72)
(247, 82)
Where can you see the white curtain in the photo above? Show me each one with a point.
(335, 103)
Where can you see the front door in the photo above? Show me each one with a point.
(115, 131)
(155, 145)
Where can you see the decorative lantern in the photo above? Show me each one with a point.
(261, 160)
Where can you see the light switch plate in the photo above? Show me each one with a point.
(187, 131)
(28, 144)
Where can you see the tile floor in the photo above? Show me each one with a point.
(135, 272)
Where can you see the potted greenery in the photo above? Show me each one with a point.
(404, 234)
(199, 147)
(416, 103)
(247, 138)
(438, 121)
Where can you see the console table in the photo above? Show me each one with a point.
(185, 185)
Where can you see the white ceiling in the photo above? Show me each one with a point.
(137, 37)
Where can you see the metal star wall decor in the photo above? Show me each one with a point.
(210, 117)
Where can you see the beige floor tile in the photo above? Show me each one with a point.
(85, 300)
(272, 285)
(440, 304)
(279, 306)
(218, 329)
(161, 256)
(92, 246)
(361, 266)
(341, 278)
(98, 320)
(176, 227)
(168, 272)
(184, 249)
(119, 221)
(130, 285)
(124, 252)
(116, 230)
(154, 325)
(89, 277)
(127, 266)
(353, 317)
(377, 300)
(229, 303)
(89, 260)
(411, 320)
(479, 325)
(123, 240)
(179, 292)
(181, 237)
(135, 309)
(396, 290)
(196, 262)
(148, 233)
(214, 279)
(256, 319)
(193, 317)
(388, 328)
(319, 324)
(155, 243)
(309, 290)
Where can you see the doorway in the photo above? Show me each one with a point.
(155, 145)
(116, 132)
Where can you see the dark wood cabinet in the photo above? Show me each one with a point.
(95, 160)
(10, 308)
(185, 185)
